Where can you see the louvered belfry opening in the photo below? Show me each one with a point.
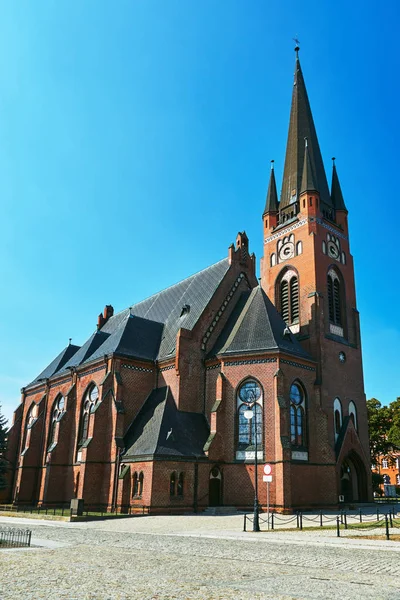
(289, 297)
(294, 299)
(334, 301)
(285, 301)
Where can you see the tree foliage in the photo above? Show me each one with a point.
(384, 428)
(3, 447)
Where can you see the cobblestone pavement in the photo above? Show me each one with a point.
(193, 558)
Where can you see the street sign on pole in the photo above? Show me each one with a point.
(267, 469)
(267, 477)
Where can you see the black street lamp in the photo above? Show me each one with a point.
(249, 414)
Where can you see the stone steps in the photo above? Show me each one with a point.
(220, 510)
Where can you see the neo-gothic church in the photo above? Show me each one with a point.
(150, 410)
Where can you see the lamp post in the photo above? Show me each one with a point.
(249, 414)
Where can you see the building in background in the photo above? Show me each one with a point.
(150, 410)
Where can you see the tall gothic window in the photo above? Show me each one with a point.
(172, 483)
(297, 416)
(90, 401)
(335, 298)
(180, 485)
(135, 485)
(31, 419)
(288, 296)
(337, 416)
(56, 414)
(249, 397)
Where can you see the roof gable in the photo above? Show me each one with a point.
(255, 325)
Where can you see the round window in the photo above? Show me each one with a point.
(250, 392)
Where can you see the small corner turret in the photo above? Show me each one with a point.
(270, 214)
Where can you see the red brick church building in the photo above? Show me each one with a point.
(150, 410)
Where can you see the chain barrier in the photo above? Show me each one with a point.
(344, 520)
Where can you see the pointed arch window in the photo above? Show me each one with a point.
(353, 413)
(172, 484)
(56, 415)
(338, 416)
(141, 480)
(250, 431)
(90, 402)
(135, 485)
(31, 418)
(179, 489)
(288, 296)
(297, 416)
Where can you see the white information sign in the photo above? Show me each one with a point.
(267, 478)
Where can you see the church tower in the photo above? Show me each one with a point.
(307, 271)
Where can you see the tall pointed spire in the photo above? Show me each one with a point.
(302, 126)
(271, 203)
(336, 190)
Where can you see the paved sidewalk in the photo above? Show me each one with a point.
(194, 558)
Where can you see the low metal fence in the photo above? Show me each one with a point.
(64, 510)
(14, 538)
(384, 521)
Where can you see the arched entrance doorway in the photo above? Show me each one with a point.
(215, 487)
(353, 479)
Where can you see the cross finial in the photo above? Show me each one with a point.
(333, 160)
(69, 341)
(272, 165)
(297, 48)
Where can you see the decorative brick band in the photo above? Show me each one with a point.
(296, 364)
(218, 366)
(332, 229)
(285, 231)
(41, 389)
(258, 361)
(60, 382)
(134, 368)
(91, 371)
(222, 308)
(166, 368)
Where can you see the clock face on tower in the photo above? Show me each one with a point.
(286, 251)
(333, 250)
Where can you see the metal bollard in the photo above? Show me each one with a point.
(345, 520)
(272, 520)
(297, 522)
(377, 514)
(360, 516)
(338, 526)
(390, 519)
(301, 520)
(387, 526)
(244, 523)
(320, 519)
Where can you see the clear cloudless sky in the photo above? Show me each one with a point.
(135, 140)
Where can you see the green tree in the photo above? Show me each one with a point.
(394, 430)
(3, 447)
(380, 420)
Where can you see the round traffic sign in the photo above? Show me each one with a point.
(267, 469)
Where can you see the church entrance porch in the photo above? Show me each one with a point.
(353, 479)
(215, 487)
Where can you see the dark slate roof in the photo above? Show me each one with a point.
(57, 363)
(134, 337)
(254, 326)
(86, 351)
(160, 429)
(271, 203)
(302, 126)
(148, 329)
(336, 191)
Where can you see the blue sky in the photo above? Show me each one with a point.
(135, 140)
